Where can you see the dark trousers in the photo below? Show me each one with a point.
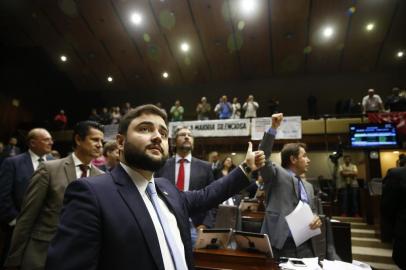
(5, 241)
(349, 200)
(290, 250)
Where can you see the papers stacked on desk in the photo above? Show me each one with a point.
(298, 222)
(313, 264)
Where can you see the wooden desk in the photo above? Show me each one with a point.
(232, 259)
(253, 216)
(251, 221)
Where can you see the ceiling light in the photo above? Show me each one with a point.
(400, 54)
(233, 154)
(184, 47)
(136, 18)
(165, 75)
(396, 152)
(370, 27)
(64, 58)
(328, 32)
(248, 6)
(110, 79)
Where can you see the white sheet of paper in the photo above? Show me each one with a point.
(298, 222)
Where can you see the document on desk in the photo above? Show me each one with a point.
(298, 222)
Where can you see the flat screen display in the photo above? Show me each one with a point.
(373, 136)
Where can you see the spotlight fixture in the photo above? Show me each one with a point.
(64, 58)
(165, 75)
(184, 47)
(328, 32)
(136, 18)
(369, 27)
(248, 6)
(400, 54)
(110, 79)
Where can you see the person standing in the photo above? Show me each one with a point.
(250, 107)
(203, 109)
(347, 186)
(15, 173)
(177, 112)
(372, 102)
(37, 223)
(393, 210)
(284, 189)
(223, 108)
(189, 173)
(128, 219)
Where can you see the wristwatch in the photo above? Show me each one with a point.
(246, 168)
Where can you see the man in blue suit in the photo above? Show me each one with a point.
(189, 173)
(128, 219)
(15, 174)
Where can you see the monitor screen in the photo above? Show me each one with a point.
(373, 135)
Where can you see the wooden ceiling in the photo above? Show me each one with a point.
(280, 37)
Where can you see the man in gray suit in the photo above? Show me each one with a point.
(39, 216)
(189, 173)
(284, 188)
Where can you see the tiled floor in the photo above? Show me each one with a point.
(367, 247)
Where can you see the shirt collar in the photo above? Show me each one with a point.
(35, 156)
(188, 158)
(140, 181)
(77, 161)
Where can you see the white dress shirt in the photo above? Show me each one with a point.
(77, 162)
(186, 166)
(34, 159)
(141, 183)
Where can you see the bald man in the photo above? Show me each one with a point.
(15, 173)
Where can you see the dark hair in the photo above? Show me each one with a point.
(82, 130)
(137, 112)
(288, 150)
(109, 147)
(232, 164)
(178, 129)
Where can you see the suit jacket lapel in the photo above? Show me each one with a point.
(172, 169)
(135, 203)
(28, 163)
(295, 185)
(70, 169)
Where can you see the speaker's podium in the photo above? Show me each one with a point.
(252, 251)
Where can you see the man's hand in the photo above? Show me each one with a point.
(316, 223)
(277, 120)
(256, 159)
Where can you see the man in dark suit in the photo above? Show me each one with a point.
(128, 219)
(284, 189)
(188, 173)
(393, 209)
(10, 150)
(38, 219)
(15, 173)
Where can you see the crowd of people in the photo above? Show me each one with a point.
(134, 199)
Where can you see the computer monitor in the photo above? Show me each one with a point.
(373, 136)
(213, 238)
(253, 242)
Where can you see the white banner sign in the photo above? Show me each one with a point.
(215, 128)
(290, 128)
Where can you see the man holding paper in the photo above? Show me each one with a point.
(284, 189)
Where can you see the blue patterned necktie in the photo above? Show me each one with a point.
(170, 240)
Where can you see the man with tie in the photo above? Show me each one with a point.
(189, 173)
(15, 173)
(39, 216)
(128, 219)
(284, 189)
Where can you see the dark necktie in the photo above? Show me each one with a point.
(40, 160)
(299, 188)
(84, 168)
(181, 175)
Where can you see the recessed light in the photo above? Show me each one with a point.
(64, 58)
(165, 75)
(110, 79)
(233, 154)
(400, 54)
(248, 6)
(396, 152)
(370, 27)
(184, 47)
(328, 31)
(136, 18)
